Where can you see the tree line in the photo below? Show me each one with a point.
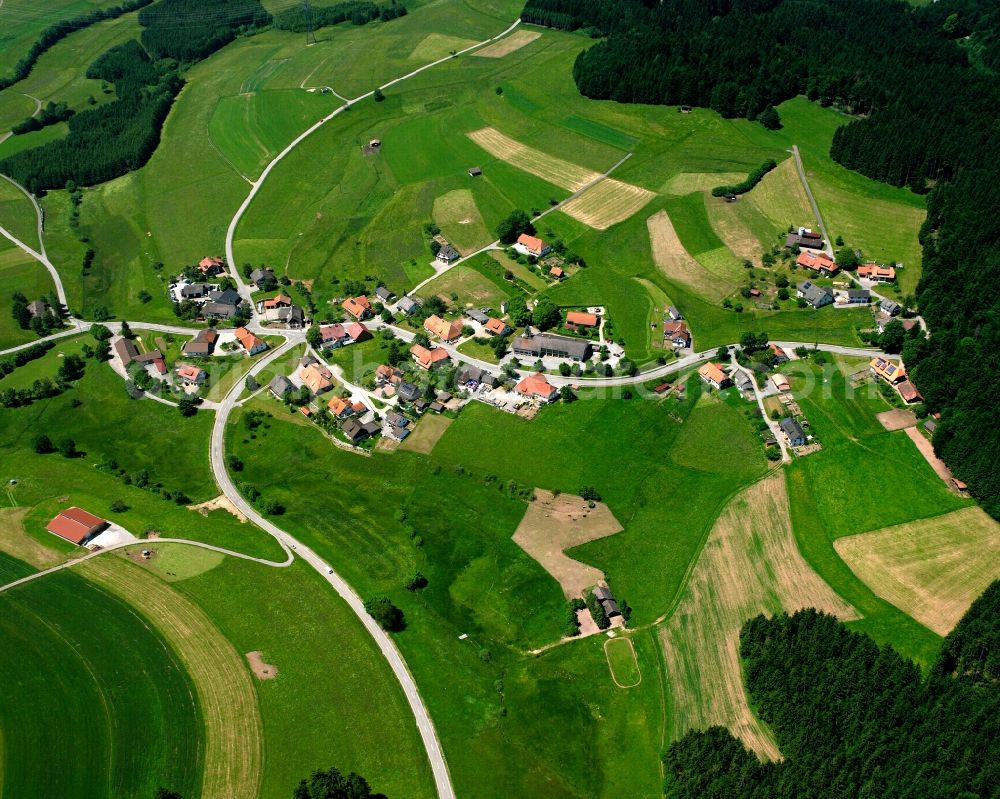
(852, 718)
(357, 12)
(924, 94)
(59, 31)
(112, 139)
(747, 183)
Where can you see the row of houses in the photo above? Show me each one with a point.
(334, 336)
(282, 310)
(128, 353)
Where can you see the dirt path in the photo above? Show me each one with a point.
(927, 450)
(553, 524)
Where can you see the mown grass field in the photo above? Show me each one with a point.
(932, 569)
(124, 719)
(19, 272)
(17, 215)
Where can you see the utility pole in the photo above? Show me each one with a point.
(307, 16)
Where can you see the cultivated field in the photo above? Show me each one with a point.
(677, 265)
(99, 685)
(607, 203)
(515, 41)
(750, 565)
(932, 568)
(553, 524)
(687, 182)
(233, 733)
(15, 541)
(548, 167)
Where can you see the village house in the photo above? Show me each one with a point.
(548, 344)
(715, 376)
(408, 392)
(674, 313)
(877, 273)
(429, 358)
(77, 525)
(202, 344)
(818, 262)
(816, 296)
(888, 371)
(279, 386)
(249, 341)
(387, 374)
(448, 254)
(211, 266)
(804, 239)
(333, 336)
(225, 296)
(890, 307)
(497, 327)
(263, 277)
(397, 425)
(444, 330)
(279, 301)
(780, 382)
(358, 307)
(316, 377)
(557, 272)
(191, 375)
(356, 431)
(408, 306)
(857, 296)
(152, 359)
(218, 310)
(908, 392)
(478, 315)
(340, 407)
(793, 432)
(384, 295)
(607, 600)
(676, 333)
(126, 351)
(195, 291)
(743, 382)
(473, 376)
(778, 355)
(531, 245)
(535, 386)
(581, 320)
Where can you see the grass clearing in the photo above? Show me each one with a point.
(233, 734)
(89, 677)
(427, 434)
(508, 45)
(677, 265)
(688, 182)
(17, 214)
(174, 562)
(749, 565)
(15, 541)
(623, 662)
(461, 223)
(553, 524)
(781, 197)
(549, 168)
(467, 287)
(19, 272)
(608, 203)
(437, 45)
(931, 569)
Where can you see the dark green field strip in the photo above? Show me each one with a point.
(94, 704)
(690, 220)
(601, 132)
(13, 569)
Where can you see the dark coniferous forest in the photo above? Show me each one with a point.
(924, 88)
(854, 719)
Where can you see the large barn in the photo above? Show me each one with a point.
(76, 525)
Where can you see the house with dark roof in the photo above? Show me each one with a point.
(857, 296)
(218, 310)
(792, 431)
(279, 386)
(126, 351)
(477, 315)
(263, 277)
(408, 305)
(475, 171)
(408, 392)
(548, 344)
(674, 313)
(195, 291)
(890, 307)
(448, 254)
(467, 374)
(804, 239)
(384, 294)
(816, 296)
(225, 297)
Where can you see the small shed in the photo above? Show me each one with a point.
(475, 172)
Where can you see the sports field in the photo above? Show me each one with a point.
(932, 568)
(749, 565)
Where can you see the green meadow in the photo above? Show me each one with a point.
(124, 719)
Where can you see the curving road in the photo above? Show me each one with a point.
(42, 257)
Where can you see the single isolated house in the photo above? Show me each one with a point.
(76, 525)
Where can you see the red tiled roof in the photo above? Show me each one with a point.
(357, 306)
(536, 385)
(247, 339)
(532, 243)
(713, 372)
(75, 525)
(497, 326)
(581, 318)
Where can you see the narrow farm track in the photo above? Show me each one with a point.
(40, 254)
(234, 739)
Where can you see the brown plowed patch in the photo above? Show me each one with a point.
(221, 502)
(260, 669)
(897, 419)
(556, 523)
(515, 41)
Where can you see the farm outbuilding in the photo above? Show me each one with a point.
(76, 525)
